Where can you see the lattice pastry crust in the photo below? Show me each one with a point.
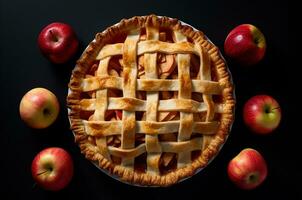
(151, 100)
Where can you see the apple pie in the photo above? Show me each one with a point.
(151, 101)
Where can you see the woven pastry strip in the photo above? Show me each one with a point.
(151, 46)
(185, 89)
(107, 128)
(133, 104)
(129, 89)
(101, 106)
(201, 86)
(205, 74)
(152, 144)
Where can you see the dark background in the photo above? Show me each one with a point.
(23, 68)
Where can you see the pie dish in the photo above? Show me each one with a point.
(151, 101)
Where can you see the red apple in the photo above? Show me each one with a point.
(245, 44)
(248, 169)
(52, 168)
(39, 108)
(58, 42)
(262, 114)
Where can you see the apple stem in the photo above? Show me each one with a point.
(276, 108)
(54, 38)
(41, 173)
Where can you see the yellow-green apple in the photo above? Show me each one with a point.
(52, 168)
(262, 114)
(39, 108)
(58, 42)
(245, 44)
(248, 169)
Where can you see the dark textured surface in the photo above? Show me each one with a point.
(23, 68)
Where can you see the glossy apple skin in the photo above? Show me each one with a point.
(262, 114)
(39, 108)
(248, 169)
(52, 168)
(58, 42)
(245, 44)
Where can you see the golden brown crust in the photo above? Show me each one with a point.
(93, 153)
